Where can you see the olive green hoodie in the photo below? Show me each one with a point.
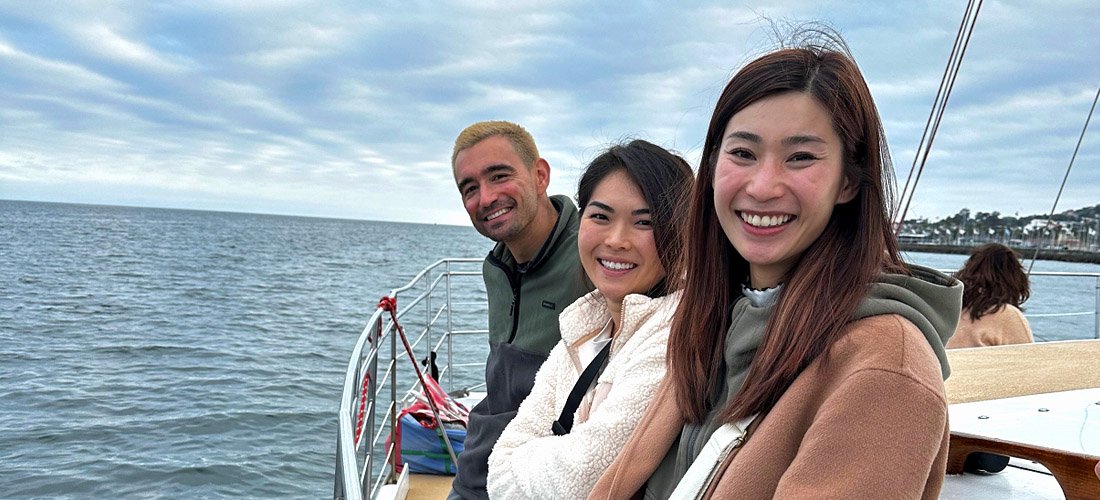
(928, 299)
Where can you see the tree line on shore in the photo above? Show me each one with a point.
(1077, 229)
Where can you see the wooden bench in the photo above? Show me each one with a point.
(429, 487)
(1008, 386)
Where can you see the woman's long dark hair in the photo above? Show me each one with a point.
(664, 179)
(825, 286)
(992, 277)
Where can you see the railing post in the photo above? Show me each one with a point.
(450, 332)
(372, 400)
(393, 400)
(1096, 312)
(338, 484)
(365, 439)
(427, 321)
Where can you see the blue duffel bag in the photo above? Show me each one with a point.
(422, 449)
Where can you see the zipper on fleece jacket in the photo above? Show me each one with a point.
(515, 279)
(515, 305)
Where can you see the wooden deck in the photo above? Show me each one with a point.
(983, 373)
(429, 487)
(996, 381)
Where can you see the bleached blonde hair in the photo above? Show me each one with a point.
(521, 140)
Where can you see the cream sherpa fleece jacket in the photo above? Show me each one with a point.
(529, 461)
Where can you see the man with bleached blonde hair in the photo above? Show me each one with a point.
(531, 274)
(503, 185)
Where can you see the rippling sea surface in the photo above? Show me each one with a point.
(149, 352)
(173, 353)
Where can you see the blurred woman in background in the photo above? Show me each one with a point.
(995, 286)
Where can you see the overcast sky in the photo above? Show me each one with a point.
(349, 109)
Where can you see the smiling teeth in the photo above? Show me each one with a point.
(496, 214)
(765, 221)
(617, 266)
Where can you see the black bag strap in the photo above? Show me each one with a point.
(564, 423)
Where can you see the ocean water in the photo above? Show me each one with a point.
(186, 354)
(172, 353)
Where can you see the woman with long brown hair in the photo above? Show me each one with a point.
(602, 375)
(995, 286)
(801, 333)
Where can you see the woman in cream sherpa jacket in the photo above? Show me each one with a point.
(631, 202)
(529, 461)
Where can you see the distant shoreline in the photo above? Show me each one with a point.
(1025, 253)
(227, 211)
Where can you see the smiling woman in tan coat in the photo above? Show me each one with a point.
(805, 359)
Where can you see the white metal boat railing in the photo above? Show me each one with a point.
(363, 467)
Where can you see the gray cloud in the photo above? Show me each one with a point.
(340, 110)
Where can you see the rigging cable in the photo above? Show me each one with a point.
(947, 84)
(1064, 178)
(936, 101)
